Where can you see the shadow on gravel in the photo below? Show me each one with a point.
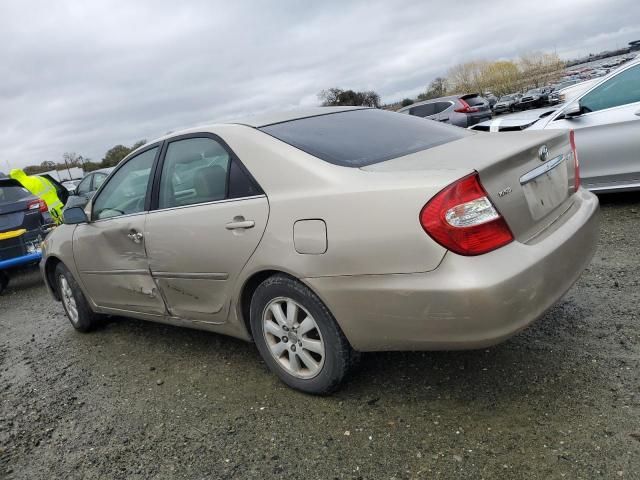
(528, 364)
(24, 279)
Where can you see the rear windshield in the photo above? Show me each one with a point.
(473, 100)
(12, 193)
(356, 138)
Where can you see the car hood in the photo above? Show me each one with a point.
(514, 122)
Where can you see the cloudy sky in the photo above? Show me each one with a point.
(83, 76)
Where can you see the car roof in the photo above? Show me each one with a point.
(254, 121)
(265, 119)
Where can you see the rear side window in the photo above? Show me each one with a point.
(441, 106)
(200, 170)
(356, 138)
(423, 110)
(194, 171)
(98, 180)
(84, 186)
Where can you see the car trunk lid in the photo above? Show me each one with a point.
(528, 176)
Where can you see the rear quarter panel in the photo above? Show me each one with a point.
(372, 218)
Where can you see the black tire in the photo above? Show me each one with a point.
(4, 281)
(87, 319)
(339, 357)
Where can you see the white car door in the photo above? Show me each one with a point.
(608, 132)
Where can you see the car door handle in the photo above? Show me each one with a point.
(240, 222)
(135, 237)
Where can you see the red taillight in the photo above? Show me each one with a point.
(576, 162)
(466, 108)
(462, 219)
(38, 204)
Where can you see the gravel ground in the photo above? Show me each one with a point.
(140, 400)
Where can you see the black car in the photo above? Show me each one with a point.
(534, 98)
(506, 103)
(24, 219)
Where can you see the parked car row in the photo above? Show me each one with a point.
(606, 119)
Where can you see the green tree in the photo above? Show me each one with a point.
(406, 102)
(338, 97)
(115, 154)
(436, 89)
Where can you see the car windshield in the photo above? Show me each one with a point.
(506, 98)
(533, 91)
(12, 193)
(356, 138)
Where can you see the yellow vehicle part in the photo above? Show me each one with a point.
(12, 234)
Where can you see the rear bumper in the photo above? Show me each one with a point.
(467, 302)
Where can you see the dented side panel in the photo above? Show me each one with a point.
(114, 268)
(196, 253)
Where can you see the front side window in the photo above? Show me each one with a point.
(622, 89)
(85, 186)
(126, 191)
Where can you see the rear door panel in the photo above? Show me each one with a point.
(195, 258)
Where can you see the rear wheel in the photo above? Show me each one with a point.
(74, 302)
(298, 337)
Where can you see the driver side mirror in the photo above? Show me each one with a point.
(573, 110)
(74, 215)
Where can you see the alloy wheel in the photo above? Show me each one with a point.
(68, 299)
(293, 337)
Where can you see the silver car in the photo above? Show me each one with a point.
(460, 110)
(324, 233)
(606, 121)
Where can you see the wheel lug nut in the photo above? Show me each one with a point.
(293, 348)
(285, 339)
(300, 343)
(285, 328)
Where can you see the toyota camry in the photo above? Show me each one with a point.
(323, 233)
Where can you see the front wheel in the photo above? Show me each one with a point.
(298, 337)
(74, 302)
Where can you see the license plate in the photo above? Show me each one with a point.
(546, 187)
